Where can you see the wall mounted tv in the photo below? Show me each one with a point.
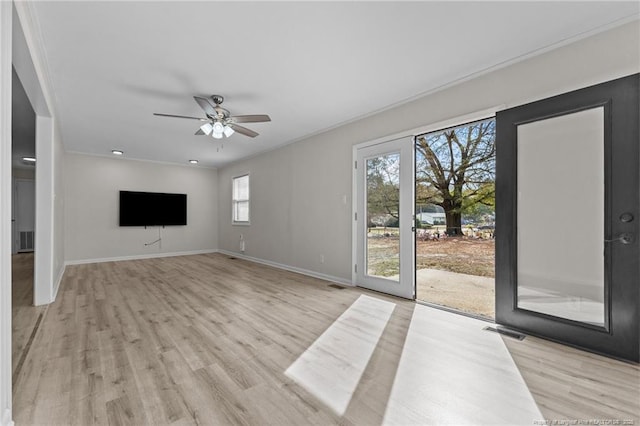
(152, 209)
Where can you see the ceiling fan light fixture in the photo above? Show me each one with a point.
(207, 128)
(219, 123)
(218, 127)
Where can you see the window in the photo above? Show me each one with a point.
(240, 199)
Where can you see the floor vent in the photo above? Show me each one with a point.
(339, 287)
(505, 332)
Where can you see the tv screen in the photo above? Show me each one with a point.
(152, 209)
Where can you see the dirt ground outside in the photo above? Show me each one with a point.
(457, 272)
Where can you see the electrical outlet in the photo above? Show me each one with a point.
(322, 258)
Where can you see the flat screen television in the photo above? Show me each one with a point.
(152, 209)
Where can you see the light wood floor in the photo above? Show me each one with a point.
(210, 340)
(24, 316)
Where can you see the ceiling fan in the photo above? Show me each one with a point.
(219, 122)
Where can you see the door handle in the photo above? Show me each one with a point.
(624, 238)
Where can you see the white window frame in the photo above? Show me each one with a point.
(234, 201)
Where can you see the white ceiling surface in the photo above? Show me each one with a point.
(23, 126)
(310, 65)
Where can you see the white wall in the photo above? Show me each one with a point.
(58, 222)
(44, 276)
(92, 186)
(300, 206)
(5, 212)
(297, 209)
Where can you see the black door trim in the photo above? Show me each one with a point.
(620, 336)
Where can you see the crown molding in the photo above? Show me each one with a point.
(30, 25)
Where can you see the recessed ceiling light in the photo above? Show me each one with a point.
(29, 159)
(193, 161)
(117, 152)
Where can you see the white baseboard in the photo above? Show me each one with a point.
(6, 418)
(302, 271)
(139, 256)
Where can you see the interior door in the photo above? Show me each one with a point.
(384, 218)
(568, 200)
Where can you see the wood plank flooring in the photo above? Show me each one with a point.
(206, 339)
(24, 316)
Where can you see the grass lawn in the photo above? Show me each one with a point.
(454, 254)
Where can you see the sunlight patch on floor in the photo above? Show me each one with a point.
(332, 366)
(453, 372)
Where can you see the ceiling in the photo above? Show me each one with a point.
(310, 65)
(23, 126)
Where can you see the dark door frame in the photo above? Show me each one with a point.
(620, 337)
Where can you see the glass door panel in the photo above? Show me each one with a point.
(382, 215)
(564, 278)
(383, 218)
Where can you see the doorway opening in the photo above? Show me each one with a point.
(455, 218)
(24, 316)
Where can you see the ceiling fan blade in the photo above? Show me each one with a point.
(180, 116)
(206, 105)
(199, 132)
(258, 118)
(243, 130)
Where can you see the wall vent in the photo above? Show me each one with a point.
(26, 241)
